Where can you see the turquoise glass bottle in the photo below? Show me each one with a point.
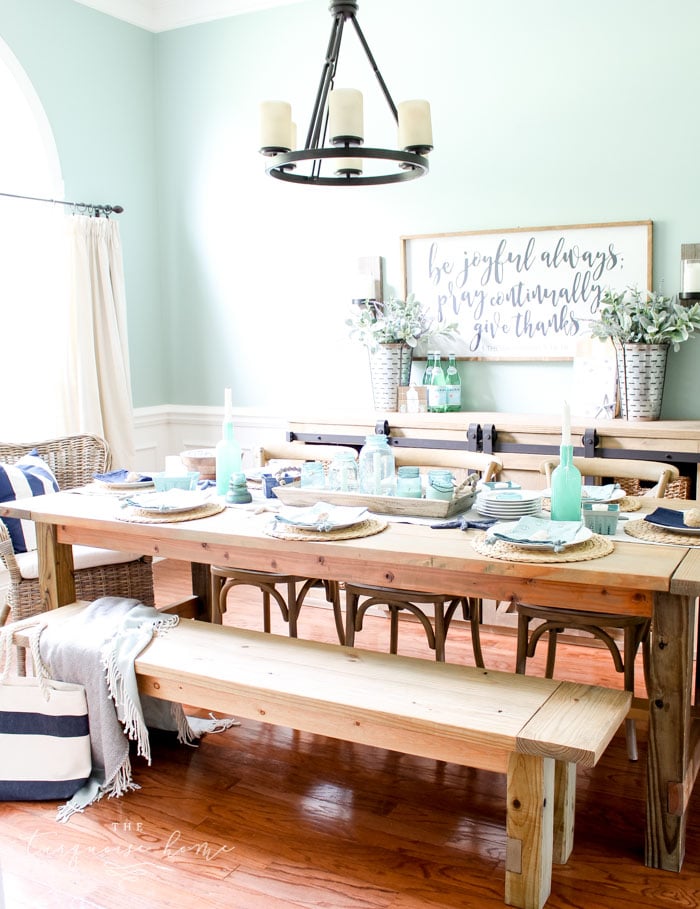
(228, 451)
(566, 488)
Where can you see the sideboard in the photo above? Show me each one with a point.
(520, 441)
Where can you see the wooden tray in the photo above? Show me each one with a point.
(427, 508)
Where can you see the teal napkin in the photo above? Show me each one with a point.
(599, 493)
(539, 531)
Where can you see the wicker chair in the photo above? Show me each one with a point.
(441, 608)
(73, 460)
(288, 591)
(553, 622)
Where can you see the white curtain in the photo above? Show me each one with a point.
(98, 390)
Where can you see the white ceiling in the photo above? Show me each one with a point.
(161, 15)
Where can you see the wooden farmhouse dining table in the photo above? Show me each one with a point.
(661, 581)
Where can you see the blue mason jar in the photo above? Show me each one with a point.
(408, 483)
(441, 485)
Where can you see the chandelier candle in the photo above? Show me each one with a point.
(566, 478)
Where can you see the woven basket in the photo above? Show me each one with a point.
(676, 489)
(631, 486)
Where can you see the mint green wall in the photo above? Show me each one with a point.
(544, 112)
(95, 78)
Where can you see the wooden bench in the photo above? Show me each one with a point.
(532, 729)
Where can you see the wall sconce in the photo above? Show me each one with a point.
(690, 271)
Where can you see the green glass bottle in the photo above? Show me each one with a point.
(437, 391)
(453, 384)
(428, 369)
(566, 488)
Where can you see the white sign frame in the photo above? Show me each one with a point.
(524, 293)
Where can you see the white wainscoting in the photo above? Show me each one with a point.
(170, 429)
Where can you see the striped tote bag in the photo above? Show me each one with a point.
(44, 734)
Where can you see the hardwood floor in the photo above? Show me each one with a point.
(263, 818)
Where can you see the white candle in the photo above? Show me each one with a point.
(566, 425)
(690, 283)
(276, 125)
(228, 404)
(345, 115)
(347, 165)
(415, 127)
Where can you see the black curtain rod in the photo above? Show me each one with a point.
(79, 206)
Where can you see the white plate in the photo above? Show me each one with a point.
(172, 501)
(693, 531)
(615, 497)
(511, 496)
(322, 516)
(582, 535)
(486, 504)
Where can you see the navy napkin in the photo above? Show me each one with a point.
(120, 476)
(666, 517)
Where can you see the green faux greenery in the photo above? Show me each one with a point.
(393, 321)
(636, 317)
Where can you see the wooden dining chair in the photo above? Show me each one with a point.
(435, 611)
(288, 591)
(602, 626)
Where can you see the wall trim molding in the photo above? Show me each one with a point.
(171, 428)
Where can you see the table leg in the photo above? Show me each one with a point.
(201, 588)
(668, 760)
(56, 580)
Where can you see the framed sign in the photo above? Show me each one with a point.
(524, 293)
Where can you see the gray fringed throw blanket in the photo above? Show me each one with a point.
(96, 648)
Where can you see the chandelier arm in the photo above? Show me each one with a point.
(375, 68)
(327, 75)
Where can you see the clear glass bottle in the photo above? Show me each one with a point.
(228, 451)
(566, 488)
(437, 391)
(453, 384)
(376, 466)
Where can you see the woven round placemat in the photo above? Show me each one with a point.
(628, 503)
(643, 530)
(363, 529)
(593, 548)
(138, 516)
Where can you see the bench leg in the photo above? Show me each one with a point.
(564, 811)
(529, 818)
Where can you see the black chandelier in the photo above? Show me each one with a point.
(338, 114)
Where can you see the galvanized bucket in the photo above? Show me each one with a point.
(641, 371)
(390, 366)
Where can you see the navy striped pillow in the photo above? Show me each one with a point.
(30, 476)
